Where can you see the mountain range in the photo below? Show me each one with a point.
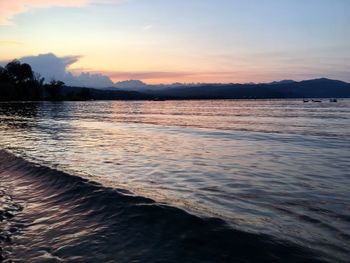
(315, 88)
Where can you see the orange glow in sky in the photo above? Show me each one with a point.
(162, 41)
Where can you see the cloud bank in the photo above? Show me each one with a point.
(52, 67)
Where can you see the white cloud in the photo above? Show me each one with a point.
(147, 27)
(52, 67)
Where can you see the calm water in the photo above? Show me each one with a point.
(277, 168)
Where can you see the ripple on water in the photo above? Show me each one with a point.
(271, 167)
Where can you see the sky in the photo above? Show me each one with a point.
(166, 41)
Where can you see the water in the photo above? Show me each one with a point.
(274, 169)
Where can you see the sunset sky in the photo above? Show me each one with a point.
(165, 41)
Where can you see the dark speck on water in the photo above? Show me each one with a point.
(175, 181)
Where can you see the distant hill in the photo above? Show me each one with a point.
(286, 81)
(130, 85)
(316, 88)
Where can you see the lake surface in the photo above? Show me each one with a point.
(278, 168)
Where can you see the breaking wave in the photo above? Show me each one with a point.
(51, 216)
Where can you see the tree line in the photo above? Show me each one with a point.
(18, 82)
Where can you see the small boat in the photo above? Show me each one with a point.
(305, 101)
(316, 100)
(333, 100)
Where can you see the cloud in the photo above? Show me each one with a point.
(147, 27)
(10, 8)
(52, 67)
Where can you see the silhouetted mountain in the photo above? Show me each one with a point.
(317, 88)
(286, 81)
(130, 85)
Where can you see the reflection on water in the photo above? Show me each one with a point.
(274, 167)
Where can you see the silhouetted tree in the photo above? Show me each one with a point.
(20, 73)
(25, 73)
(54, 89)
(39, 79)
(17, 82)
(13, 69)
(4, 75)
(2, 72)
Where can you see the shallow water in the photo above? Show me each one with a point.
(276, 168)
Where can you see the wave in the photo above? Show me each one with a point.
(50, 216)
